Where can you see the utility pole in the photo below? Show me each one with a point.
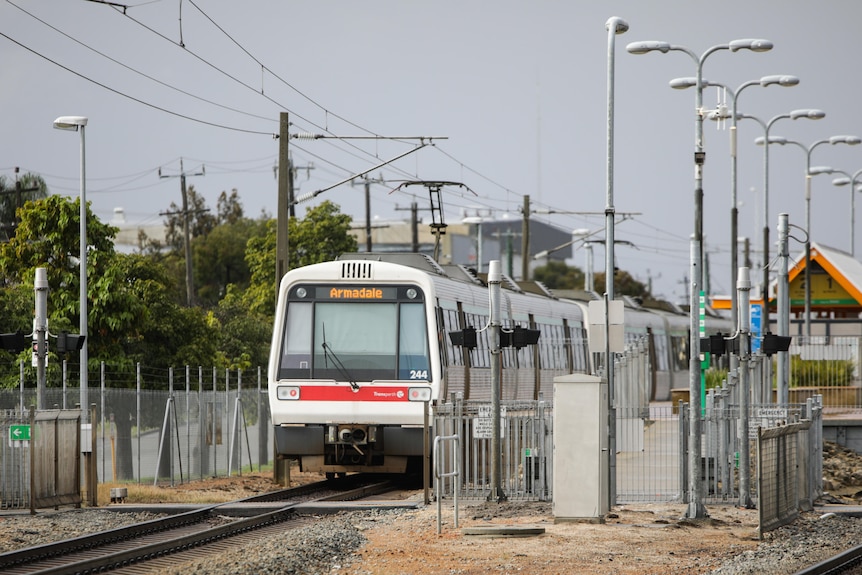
(525, 241)
(285, 201)
(368, 181)
(190, 288)
(414, 225)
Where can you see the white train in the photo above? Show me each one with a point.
(361, 342)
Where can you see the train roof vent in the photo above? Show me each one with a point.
(356, 270)
(460, 271)
(630, 301)
(511, 284)
(414, 260)
(545, 290)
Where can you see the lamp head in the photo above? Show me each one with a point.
(781, 80)
(810, 113)
(648, 46)
(849, 140)
(691, 82)
(616, 23)
(755, 45)
(70, 122)
(817, 170)
(843, 181)
(772, 140)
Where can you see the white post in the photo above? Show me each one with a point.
(494, 280)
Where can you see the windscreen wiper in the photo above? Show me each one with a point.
(336, 361)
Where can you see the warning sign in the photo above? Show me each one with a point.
(482, 424)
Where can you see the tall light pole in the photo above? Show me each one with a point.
(695, 506)
(78, 123)
(841, 139)
(854, 182)
(809, 171)
(811, 114)
(779, 80)
(614, 26)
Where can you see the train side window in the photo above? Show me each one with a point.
(413, 343)
(454, 355)
(661, 353)
(296, 347)
(481, 356)
(580, 353)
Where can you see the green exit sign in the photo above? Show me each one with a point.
(19, 432)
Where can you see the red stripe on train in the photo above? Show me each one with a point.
(346, 393)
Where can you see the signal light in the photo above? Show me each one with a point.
(464, 337)
(13, 342)
(713, 344)
(772, 343)
(519, 337)
(67, 342)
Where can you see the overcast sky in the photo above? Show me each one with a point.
(517, 88)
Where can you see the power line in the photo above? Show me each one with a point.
(134, 99)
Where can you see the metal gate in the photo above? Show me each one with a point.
(525, 442)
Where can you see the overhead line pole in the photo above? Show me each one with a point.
(190, 288)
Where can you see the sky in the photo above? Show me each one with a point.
(510, 96)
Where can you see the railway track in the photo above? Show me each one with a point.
(848, 562)
(144, 547)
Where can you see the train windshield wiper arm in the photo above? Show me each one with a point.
(328, 353)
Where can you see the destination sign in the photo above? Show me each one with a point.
(363, 293)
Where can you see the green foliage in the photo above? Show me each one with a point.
(558, 275)
(321, 236)
(822, 373)
(14, 195)
(624, 284)
(714, 377)
(260, 296)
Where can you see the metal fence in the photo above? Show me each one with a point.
(526, 435)
(199, 424)
(14, 461)
(783, 474)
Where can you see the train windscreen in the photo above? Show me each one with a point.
(356, 333)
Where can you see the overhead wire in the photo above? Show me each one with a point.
(456, 199)
(133, 98)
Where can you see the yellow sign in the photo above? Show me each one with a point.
(361, 293)
(824, 291)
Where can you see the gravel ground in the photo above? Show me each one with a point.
(332, 545)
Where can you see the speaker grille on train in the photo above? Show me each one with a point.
(356, 270)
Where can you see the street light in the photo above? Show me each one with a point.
(780, 80)
(78, 123)
(614, 26)
(696, 508)
(853, 181)
(478, 221)
(809, 171)
(809, 113)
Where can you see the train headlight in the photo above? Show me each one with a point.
(419, 394)
(287, 392)
(412, 293)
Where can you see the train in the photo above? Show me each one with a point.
(361, 344)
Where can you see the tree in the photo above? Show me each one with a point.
(14, 195)
(260, 296)
(625, 284)
(229, 208)
(321, 236)
(219, 258)
(201, 221)
(558, 275)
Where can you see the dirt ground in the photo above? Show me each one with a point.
(635, 539)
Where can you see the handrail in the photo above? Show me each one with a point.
(456, 472)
